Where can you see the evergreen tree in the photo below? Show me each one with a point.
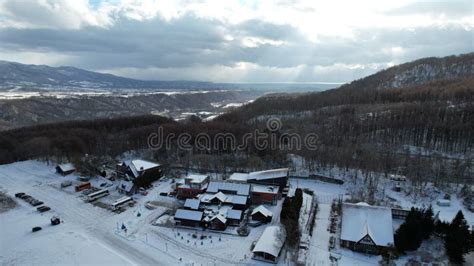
(427, 224)
(417, 226)
(456, 240)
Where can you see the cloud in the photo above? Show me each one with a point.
(232, 41)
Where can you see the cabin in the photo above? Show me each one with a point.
(269, 245)
(193, 185)
(261, 214)
(366, 229)
(273, 177)
(190, 218)
(217, 222)
(65, 169)
(264, 194)
(443, 202)
(139, 169)
(192, 204)
(234, 217)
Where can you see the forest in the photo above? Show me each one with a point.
(423, 131)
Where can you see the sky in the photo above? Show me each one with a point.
(234, 40)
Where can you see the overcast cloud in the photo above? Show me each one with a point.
(233, 41)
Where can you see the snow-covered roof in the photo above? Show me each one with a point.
(141, 165)
(125, 185)
(269, 174)
(188, 215)
(359, 220)
(220, 217)
(192, 203)
(239, 189)
(265, 189)
(66, 167)
(261, 209)
(238, 177)
(259, 175)
(234, 214)
(220, 196)
(236, 199)
(225, 198)
(271, 241)
(196, 178)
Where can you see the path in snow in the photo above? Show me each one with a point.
(318, 253)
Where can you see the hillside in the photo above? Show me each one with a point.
(16, 113)
(15, 75)
(447, 78)
(418, 72)
(367, 125)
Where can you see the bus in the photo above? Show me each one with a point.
(82, 186)
(120, 202)
(97, 195)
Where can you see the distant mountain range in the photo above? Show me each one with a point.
(22, 77)
(16, 75)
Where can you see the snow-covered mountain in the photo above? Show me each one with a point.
(418, 72)
(16, 75)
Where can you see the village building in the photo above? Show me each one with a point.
(261, 214)
(236, 201)
(139, 169)
(192, 204)
(192, 186)
(366, 228)
(234, 217)
(225, 193)
(229, 188)
(443, 202)
(219, 217)
(269, 245)
(216, 222)
(273, 177)
(65, 169)
(188, 217)
(264, 194)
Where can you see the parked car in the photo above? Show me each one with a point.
(36, 229)
(55, 220)
(332, 242)
(164, 194)
(43, 209)
(24, 196)
(36, 203)
(19, 194)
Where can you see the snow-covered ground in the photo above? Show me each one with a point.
(92, 235)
